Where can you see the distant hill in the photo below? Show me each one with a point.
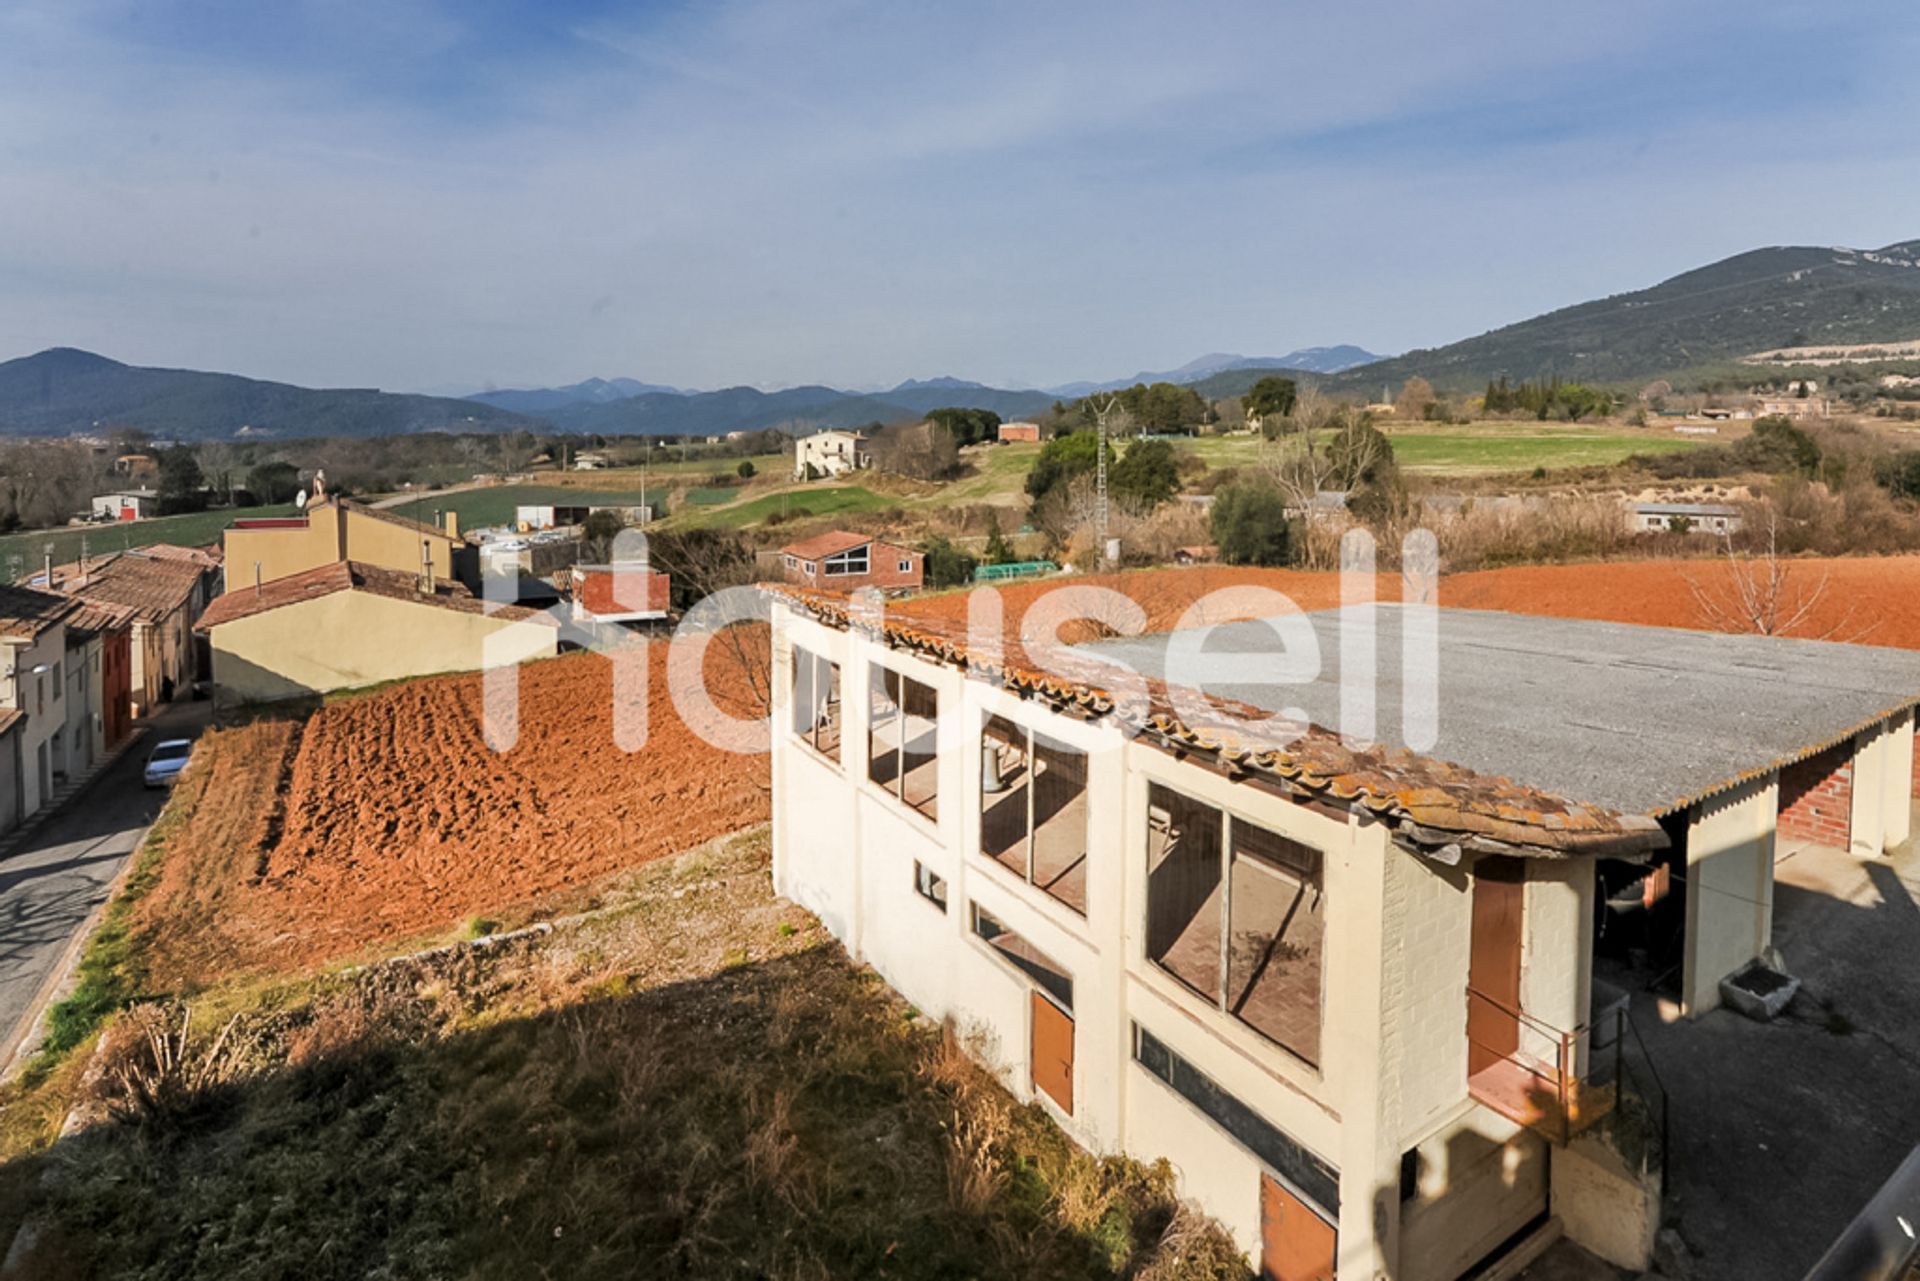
(594, 391)
(747, 408)
(63, 391)
(1780, 297)
(1318, 360)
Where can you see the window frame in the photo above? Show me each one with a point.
(1309, 1176)
(1032, 970)
(836, 699)
(1227, 856)
(1028, 739)
(928, 884)
(841, 564)
(896, 787)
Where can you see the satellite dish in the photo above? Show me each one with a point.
(300, 500)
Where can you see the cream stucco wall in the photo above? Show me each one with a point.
(1729, 887)
(332, 534)
(1882, 810)
(1392, 1064)
(35, 694)
(350, 638)
(264, 555)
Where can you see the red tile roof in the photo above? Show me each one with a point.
(152, 582)
(25, 612)
(834, 540)
(91, 617)
(345, 575)
(1433, 805)
(208, 557)
(838, 540)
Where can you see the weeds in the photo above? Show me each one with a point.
(502, 1112)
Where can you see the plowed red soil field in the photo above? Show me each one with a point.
(394, 817)
(1868, 600)
(385, 816)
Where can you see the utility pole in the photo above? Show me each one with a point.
(1102, 411)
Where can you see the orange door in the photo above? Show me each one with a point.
(1493, 967)
(1295, 1243)
(1052, 1052)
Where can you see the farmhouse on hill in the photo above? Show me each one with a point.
(1348, 994)
(829, 453)
(840, 561)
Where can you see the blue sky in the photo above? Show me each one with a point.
(427, 195)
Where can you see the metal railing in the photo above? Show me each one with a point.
(1560, 1082)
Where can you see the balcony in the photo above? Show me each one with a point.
(1554, 1081)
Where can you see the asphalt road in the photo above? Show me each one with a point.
(52, 883)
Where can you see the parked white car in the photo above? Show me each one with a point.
(166, 761)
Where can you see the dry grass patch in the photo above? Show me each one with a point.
(691, 1081)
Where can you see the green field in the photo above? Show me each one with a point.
(795, 504)
(485, 507)
(1509, 447)
(1476, 448)
(22, 553)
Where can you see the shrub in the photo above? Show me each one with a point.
(1250, 525)
(947, 565)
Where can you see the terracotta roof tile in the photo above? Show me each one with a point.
(25, 612)
(834, 540)
(1435, 806)
(9, 717)
(151, 582)
(353, 576)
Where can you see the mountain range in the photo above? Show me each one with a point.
(1766, 298)
(64, 391)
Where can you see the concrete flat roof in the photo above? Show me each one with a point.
(1637, 719)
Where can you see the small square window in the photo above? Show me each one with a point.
(930, 884)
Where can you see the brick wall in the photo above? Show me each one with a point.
(884, 561)
(621, 590)
(1816, 798)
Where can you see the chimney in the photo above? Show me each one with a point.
(426, 566)
(50, 570)
(453, 524)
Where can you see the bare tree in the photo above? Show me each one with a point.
(921, 451)
(703, 562)
(1415, 397)
(1759, 595)
(1323, 446)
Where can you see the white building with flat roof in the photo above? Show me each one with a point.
(1347, 994)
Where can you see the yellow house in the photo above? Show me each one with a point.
(347, 625)
(263, 550)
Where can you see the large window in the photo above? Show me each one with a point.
(1236, 913)
(900, 738)
(816, 702)
(852, 561)
(1033, 809)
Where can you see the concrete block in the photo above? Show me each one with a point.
(1759, 991)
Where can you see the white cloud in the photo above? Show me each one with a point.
(857, 193)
